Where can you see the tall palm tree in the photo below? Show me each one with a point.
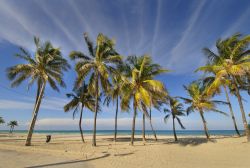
(99, 64)
(80, 98)
(2, 120)
(114, 95)
(213, 86)
(199, 101)
(141, 87)
(12, 125)
(176, 109)
(46, 66)
(232, 62)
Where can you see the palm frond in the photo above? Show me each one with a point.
(179, 121)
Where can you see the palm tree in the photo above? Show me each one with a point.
(176, 110)
(80, 99)
(99, 65)
(141, 87)
(12, 125)
(2, 120)
(46, 66)
(232, 64)
(199, 101)
(114, 95)
(213, 86)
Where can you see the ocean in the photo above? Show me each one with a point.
(128, 132)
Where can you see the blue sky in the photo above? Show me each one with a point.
(173, 32)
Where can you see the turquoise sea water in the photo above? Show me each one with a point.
(128, 132)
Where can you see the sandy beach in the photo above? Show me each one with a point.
(69, 151)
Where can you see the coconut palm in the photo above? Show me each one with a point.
(213, 86)
(114, 95)
(12, 125)
(232, 63)
(46, 66)
(176, 109)
(99, 65)
(199, 101)
(152, 70)
(80, 98)
(2, 120)
(141, 87)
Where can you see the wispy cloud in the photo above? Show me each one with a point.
(11, 104)
(12, 27)
(239, 24)
(52, 103)
(174, 36)
(185, 49)
(157, 24)
(60, 24)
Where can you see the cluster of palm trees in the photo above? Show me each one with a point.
(131, 84)
(229, 68)
(12, 124)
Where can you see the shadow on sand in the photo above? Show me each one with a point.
(194, 141)
(69, 162)
(190, 141)
(126, 139)
(124, 154)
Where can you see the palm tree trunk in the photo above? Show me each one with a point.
(150, 119)
(150, 112)
(151, 125)
(175, 137)
(231, 111)
(247, 130)
(143, 128)
(35, 113)
(133, 124)
(116, 116)
(96, 110)
(38, 91)
(80, 125)
(204, 124)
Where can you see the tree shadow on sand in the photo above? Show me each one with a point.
(190, 141)
(69, 162)
(123, 139)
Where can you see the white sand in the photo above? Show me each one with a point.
(69, 151)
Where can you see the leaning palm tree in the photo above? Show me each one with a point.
(2, 120)
(46, 66)
(80, 98)
(99, 65)
(231, 64)
(213, 87)
(199, 101)
(141, 87)
(12, 125)
(176, 109)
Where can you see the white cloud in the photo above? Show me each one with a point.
(125, 124)
(51, 103)
(12, 104)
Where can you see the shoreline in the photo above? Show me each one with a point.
(128, 132)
